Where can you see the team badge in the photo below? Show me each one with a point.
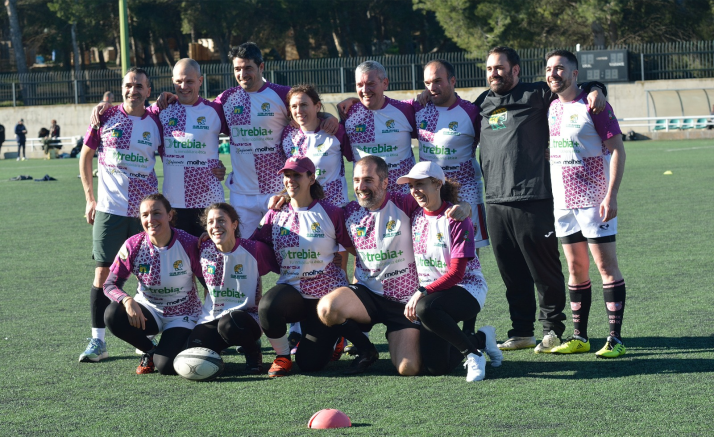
(361, 231)
(417, 237)
(498, 119)
(117, 133)
(144, 268)
(391, 225)
(201, 121)
(238, 269)
(315, 226)
(466, 236)
(294, 151)
(146, 136)
(237, 109)
(439, 236)
(173, 121)
(389, 124)
(178, 265)
(284, 232)
(211, 269)
(574, 118)
(361, 128)
(265, 107)
(453, 125)
(422, 124)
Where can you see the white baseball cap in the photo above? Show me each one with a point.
(423, 170)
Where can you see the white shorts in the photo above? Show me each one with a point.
(585, 220)
(478, 217)
(251, 208)
(164, 323)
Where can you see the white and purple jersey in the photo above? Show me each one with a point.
(190, 152)
(383, 241)
(326, 152)
(233, 279)
(305, 241)
(125, 146)
(385, 132)
(579, 161)
(437, 240)
(165, 274)
(448, 137)
(256, 122)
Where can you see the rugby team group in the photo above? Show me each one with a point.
(551, 160)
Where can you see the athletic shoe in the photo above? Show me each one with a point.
(339, 349)
(146, 365)
(550, 340)
(362, 362)
(254, 363)
(351, 349)
(491, 349)
(572, 345)
(475, 367)
(515, 343)
(613, 348)
(281, 367)
(154, 341)
(294, 339)
(95, 352)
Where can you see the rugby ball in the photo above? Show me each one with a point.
(198, 364)
(329, 418)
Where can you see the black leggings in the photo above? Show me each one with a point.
(443, 343)
(172, 341)
(283, 304)
(237, 328)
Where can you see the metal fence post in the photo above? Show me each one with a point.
(205, 87)
(414, 77)
(272, 76)
(76, 96)
(14, 98)
(642, 66)
(342, 80)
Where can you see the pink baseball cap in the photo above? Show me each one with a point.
(423, 170)
(300, 164)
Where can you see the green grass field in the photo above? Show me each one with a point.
(663, 385)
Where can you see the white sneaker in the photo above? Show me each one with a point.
(18, 158)
(491, 349)
(550, 340)
(515, 343)
(475, 367)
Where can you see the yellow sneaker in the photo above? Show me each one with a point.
(613, 348)
(573, 345)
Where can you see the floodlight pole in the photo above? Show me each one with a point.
(124, 36)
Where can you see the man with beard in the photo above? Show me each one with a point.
(514, 140)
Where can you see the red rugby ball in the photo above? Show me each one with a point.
(329, 418)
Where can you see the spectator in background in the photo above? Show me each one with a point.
(20, 136)
(54, 130)
(108, 97)
(2, 136)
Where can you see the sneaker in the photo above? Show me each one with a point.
(18, 158)
(515, 343)
(281, 367)
(475, 367)
(613, 348)
(362, 362)
(96, 351)
(24, 159)
(491, 349)
(154, 341)
(550, 340)
(339, 349)
(351, 349)
(254, 363)
(294, 339)
(572, 345)
(146, 365)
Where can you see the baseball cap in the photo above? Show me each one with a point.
(300, 164)
(423, 170)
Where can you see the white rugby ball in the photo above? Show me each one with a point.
(198, 364)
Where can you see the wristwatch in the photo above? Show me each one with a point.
(422, 290)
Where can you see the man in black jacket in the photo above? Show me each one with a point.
(514, 140)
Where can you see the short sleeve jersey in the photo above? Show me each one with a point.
(165, 275)
(326, 152)
(383, 241)
(305, 241)
(125, 147)
(256, 121)
(438, 240)
(191, 151)
(233, 279)
(385, 132)
(579, 161)
(448, 136)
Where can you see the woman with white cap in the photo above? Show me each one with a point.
(451, 286)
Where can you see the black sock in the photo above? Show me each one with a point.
(581, 298)
(352, 332)
(98, 303)
(469, 326)
(615, 295)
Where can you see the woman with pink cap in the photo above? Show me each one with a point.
(451, 286)
(306, 234)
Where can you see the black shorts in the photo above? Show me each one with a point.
(383, 310)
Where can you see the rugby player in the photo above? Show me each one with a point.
(587, 161)
(126, 140)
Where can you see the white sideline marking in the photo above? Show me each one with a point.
(689, 148)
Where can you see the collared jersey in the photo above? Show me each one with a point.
(438, 240)
(233, 279)
(125, 146)
(305, 241)
(326, 152)
(385, 132)
(190, 152)
(165, 274)
(256, 121)
(579, 161)
(383, 241)
(448, 137)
